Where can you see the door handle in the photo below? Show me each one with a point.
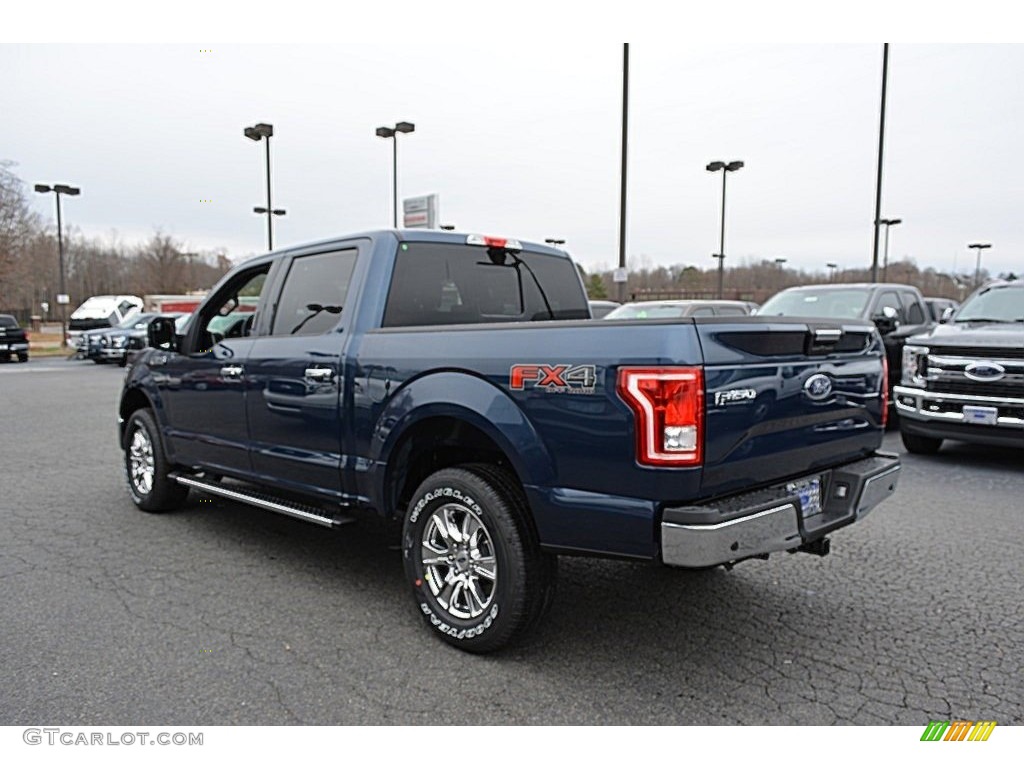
(319, 374)
(231, 371)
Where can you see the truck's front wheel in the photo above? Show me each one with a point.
(478, 575)
(146, 466)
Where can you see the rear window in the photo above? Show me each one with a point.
(7, 321)
(443, 284)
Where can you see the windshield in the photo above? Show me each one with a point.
(817, 302)
(997, 305)
(645, 311)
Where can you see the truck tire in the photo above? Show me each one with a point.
(146, 467)
(479, 577)
(920, 443)
(23, 357)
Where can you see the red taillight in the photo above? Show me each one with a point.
(885, 390)
(669, 408)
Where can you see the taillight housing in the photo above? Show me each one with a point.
(885, 390)
(669, 406)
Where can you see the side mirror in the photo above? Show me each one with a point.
(886, 321)
(946, 314)
(161, 334)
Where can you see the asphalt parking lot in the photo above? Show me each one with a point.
(221, 614)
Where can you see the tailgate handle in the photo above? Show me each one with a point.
(821, 339)
(316, 373)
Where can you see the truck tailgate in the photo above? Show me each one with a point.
(786, 397)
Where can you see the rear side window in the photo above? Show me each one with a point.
(912, 308)
(314, 293)
(442, 284)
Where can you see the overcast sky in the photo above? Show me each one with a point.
(526, 144)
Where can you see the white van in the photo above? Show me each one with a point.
(100, 312)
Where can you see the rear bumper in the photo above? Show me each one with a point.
(13, 346)
(774, 519)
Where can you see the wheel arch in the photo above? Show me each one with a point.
(131, 401)
(484, 426)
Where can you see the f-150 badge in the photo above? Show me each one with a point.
(735, 396)
(572, 379)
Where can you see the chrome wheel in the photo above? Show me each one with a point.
(458, 561)
(141, 465)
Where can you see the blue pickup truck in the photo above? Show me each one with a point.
(456, 386)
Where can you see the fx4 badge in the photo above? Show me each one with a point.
(572, 379)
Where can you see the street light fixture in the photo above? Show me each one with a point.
(256, 133)
(979, 247)
(62, 297)
(885, 263)
(392, 133)
(448, 227)
(725, 168)
(554, 241)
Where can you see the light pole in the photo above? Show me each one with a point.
(885, 263)
(778, 265)
(392, 133)
(257, 132)
(979, 247)
(881, 147)
(725, 168)
(62, 297)
(832, 266)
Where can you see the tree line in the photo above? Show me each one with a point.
(759, 279)
(30, 266)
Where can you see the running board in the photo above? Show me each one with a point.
(264, 501)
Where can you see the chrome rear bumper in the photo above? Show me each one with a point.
(773, 520)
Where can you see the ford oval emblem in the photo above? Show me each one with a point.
(984, 371)
(818, 386)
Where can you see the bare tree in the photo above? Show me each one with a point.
(18, 224)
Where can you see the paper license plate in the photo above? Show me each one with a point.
(980, 414)
(809, 492)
